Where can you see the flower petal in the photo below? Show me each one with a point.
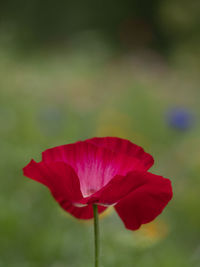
(146, 202)
(94, 165)
(81, 212)
(59, 177)
(64, 185)
(126, 147)
(117, 188)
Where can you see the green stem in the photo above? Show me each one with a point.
(96, 235)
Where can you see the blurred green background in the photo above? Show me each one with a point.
(71, 70)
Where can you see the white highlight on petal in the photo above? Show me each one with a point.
(79, 205)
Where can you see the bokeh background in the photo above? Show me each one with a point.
(71, 70)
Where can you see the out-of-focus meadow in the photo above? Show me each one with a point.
(75, 70)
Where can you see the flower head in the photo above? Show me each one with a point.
(180, 119)
(103, 171)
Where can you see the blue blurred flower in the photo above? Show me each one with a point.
(180, 118)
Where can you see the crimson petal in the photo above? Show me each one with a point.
(81, 212)
(117, 188)
(124, 146)
(64, 185)
(146, 202)
(59, 177)
(94, 165)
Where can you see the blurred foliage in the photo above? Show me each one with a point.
(74, 84)
(50, 21)
(161, 24)
(55, 98)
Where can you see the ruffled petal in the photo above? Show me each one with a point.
(94, 165)
(81, 212)
(64, 185)
(124, 146)
(59, 177)
(117, 188)
(146, 202)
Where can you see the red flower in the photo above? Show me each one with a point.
(104, 171)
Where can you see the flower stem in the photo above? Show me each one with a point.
(96, 235)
